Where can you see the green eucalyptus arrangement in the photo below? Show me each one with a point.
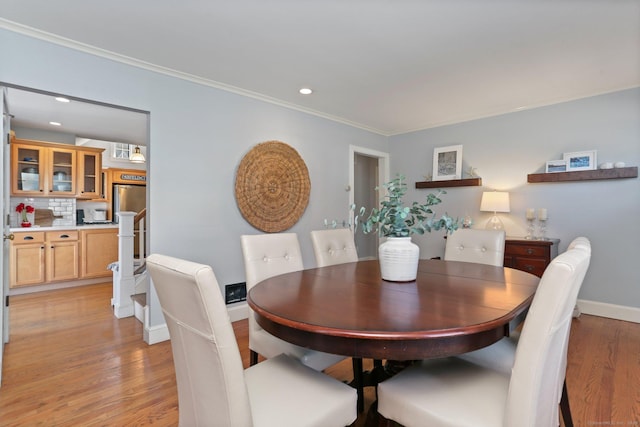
(394, 219)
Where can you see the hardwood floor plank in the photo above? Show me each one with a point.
(70, 362)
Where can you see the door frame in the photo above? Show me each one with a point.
(383, 173)
(5, 126)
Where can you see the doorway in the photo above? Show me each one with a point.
(369, 169)
(32, 112)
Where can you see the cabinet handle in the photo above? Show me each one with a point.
(529, 251)
(28, 238)
(64, 236)
(529, 267)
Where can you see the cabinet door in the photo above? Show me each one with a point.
(89, 175)
(61, 177)
(27, 264)
(62, 261)
(28, 168)
(99, 249)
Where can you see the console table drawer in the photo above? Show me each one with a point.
(530, 251)
(531, 265)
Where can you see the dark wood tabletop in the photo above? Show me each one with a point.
(451, 308)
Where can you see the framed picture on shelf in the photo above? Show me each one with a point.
(581, 160)
(447, 163)
(556, 166)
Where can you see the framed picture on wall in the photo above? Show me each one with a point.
(556, 166)
(580, 160)
(447, 163)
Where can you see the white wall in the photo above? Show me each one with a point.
(506, 148)
(198, 135)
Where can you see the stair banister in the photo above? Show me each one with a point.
(123, 276)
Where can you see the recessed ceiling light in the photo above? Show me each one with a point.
(61, 99)
(55, 123)
(306, 91)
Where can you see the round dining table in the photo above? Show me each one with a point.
(451, 308)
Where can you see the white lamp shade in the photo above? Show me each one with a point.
(137, 156)
(495, 201)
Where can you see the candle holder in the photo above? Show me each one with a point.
(542, 229)
(530, 229)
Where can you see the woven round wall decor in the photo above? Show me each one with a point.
(272, 186)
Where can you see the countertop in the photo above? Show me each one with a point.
(63, 227)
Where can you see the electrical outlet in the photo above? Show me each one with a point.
(235, 292)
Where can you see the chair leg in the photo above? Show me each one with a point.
(358, 381)
(253, 357)
(564, 406)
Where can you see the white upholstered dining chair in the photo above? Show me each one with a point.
(265, 256)
(213, 388)
(457, 392)
(334, 246)
(479, 246)
(501, 355)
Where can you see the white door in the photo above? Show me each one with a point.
(4, 248)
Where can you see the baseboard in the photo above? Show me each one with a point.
(238, 311)
(612, 311)
(160, 333)
(156, 334)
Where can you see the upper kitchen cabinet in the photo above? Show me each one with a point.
(89, 173)
(60, 174)
(44, 169)
(28, 168)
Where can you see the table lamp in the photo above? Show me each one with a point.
(495, 201)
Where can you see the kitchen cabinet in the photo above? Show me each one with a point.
(41, 257)
(99, 248)
(532, 256)
(61, 255)
(27, 259)
(90, 174)
(45, 169)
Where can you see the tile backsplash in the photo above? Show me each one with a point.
(64, 207)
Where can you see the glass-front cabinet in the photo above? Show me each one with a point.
(28, 169)
(42, 169)
(61, 175)
(89, 174)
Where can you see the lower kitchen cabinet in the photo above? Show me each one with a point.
(39, 257)
(42, 257)
(99, 248)
(27, 259)
(61, 255)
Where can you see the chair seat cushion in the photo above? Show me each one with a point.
(283, 382)
(271, 346)
(421, 395)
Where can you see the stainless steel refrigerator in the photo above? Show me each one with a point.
(130, 198)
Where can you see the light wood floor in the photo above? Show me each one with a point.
(70, 362)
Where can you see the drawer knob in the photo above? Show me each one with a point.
(529, 267)
(529, 251)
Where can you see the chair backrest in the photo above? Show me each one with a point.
(540, 360)
(268, 255)
(479, 246)
(334, 246)
(209, 371)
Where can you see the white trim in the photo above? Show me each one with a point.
(238, 311)
(72, 44)
(160, 333)
(156, 334)
(612, 311)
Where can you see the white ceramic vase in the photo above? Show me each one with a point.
(398, 259)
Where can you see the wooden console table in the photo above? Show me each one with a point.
(532, 256)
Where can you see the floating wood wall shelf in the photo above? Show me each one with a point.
(615, 173)
(468, 182)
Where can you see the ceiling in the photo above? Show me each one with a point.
(387, 66)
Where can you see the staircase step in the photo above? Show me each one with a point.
(140, 299)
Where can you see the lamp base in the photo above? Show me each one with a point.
(494, 223)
